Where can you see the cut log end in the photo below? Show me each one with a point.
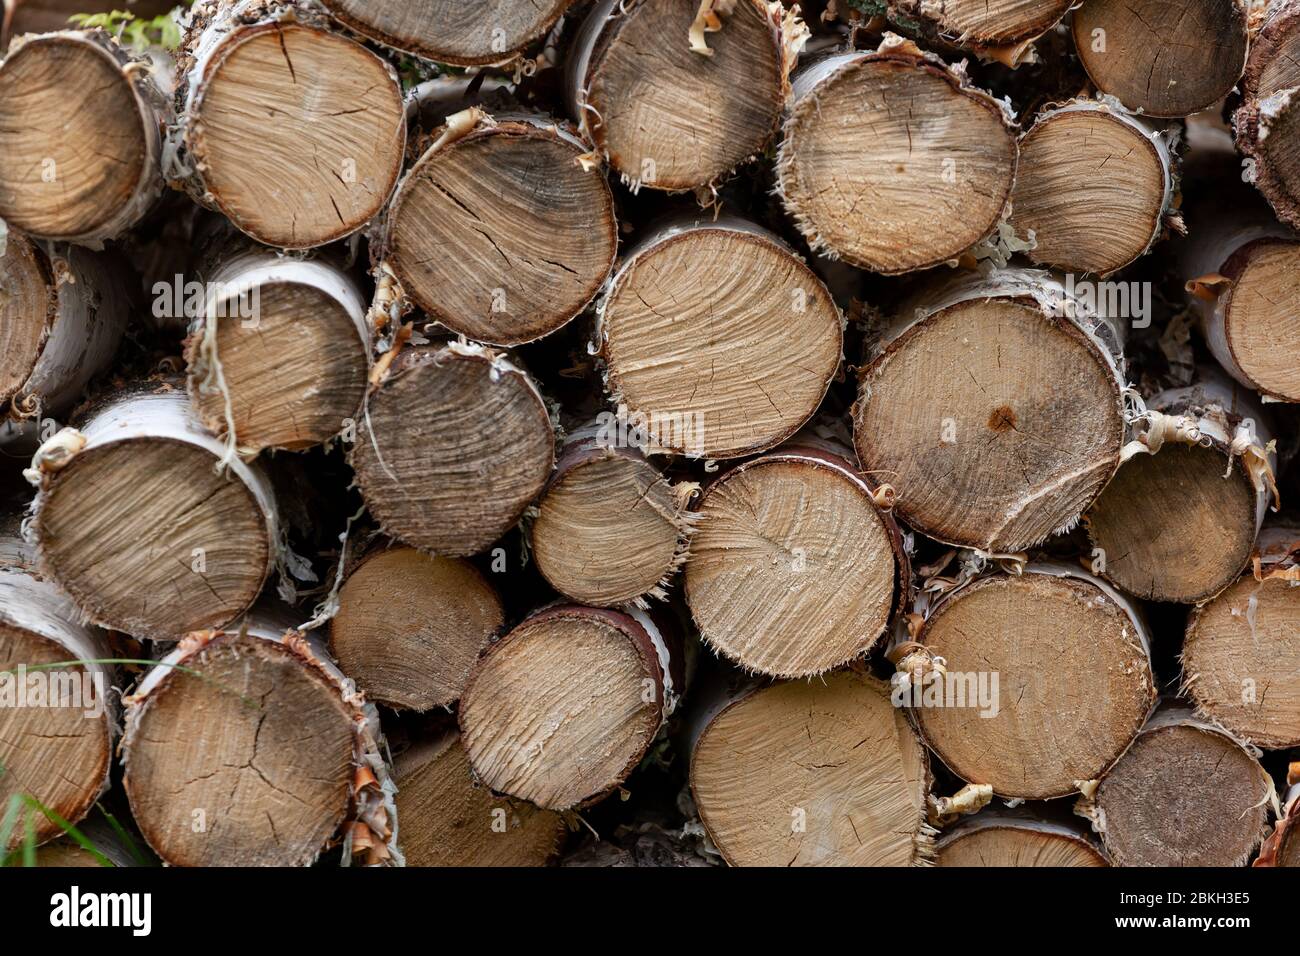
(785, 589)
(808, 774)
(1016, 844)
(1074, 683)
(502, 236)
(1259, 311)
(26, 312)
(564, 707)
(409, 627)
(987, 23)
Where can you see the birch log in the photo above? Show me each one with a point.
(457, 442)
(564, 707)
(1008, 838)
(135, 522)
(1266, 121)
(62, 314)
(409, 627)
(498, 231)
(1048, 681)
(1283, 847)
(995, 28)
(687, 336)
(812, 773)
(80, 138)
(892, 162)
(994, 408)
(674, 108)
(1163, 59)
(327, 162)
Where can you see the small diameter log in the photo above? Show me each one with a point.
(1048, 681)
(451, 31)
(248, 748)
(688, 338)
(892, 162)
(610, 527)
(814, 773)
(1185, 794)
(80, 138)
(1282, 848)
(498, 231)
(135, 520)
(1179, 520)
(1094, 187)
(456, 443)
(1241, 658)
(280, 352)
(293, 132)
(564, 707)
(983, 25)
(57, 724)
(409, 627)
(62, 313)
(994, 408)
(1267, 124)
(1006, 838)
(786, 587)
(669, 107)
(449, 819)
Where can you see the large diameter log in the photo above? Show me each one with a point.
(1163, 59)
(80, 138)
(1178, 524)
(994, 838)
(499, 232)
(687, 335)
(409, 627)
(248, 748)
(137, 523)
(563, 708)
(955, 410)
(295, 133)
(820, 773)
(62, 314)
(1242, 650)
(1086, 210)
(451, 31)
(450, 819)
(983, 25)
(1185, 794)
(279, 355)
(668, 114)
(1267, 131)
(786, 587)
(892, 162)
(456, 444)
(1048, 681)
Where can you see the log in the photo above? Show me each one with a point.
(1085, 209)
(1185, 794)
(1180, 518)
(449, 819)
(448, 31)
(821, 773)
(61, 321)
(457, 477)
(562, 709)
(279, 353)
(1282, 848)
(712, 105)
(1265, 122)
(80, 138)
(892, 162)
(796, 564)
(1005, 838)
(1242, 648)
(1160, 58)
(1074, 682)
(687, 337)
(956, 409)
(611, 528)
(409, 626)
(985, 26)
(135, 522)
(498, 232)
(327, 162)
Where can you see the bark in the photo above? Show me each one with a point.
(1282, 848)
(892, 161)
(1265, 121)
(72, 169)
(327, 164)
(1005, 838)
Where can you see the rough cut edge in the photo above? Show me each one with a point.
(1019, 818)
(1254, 116)
(1283, 832)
